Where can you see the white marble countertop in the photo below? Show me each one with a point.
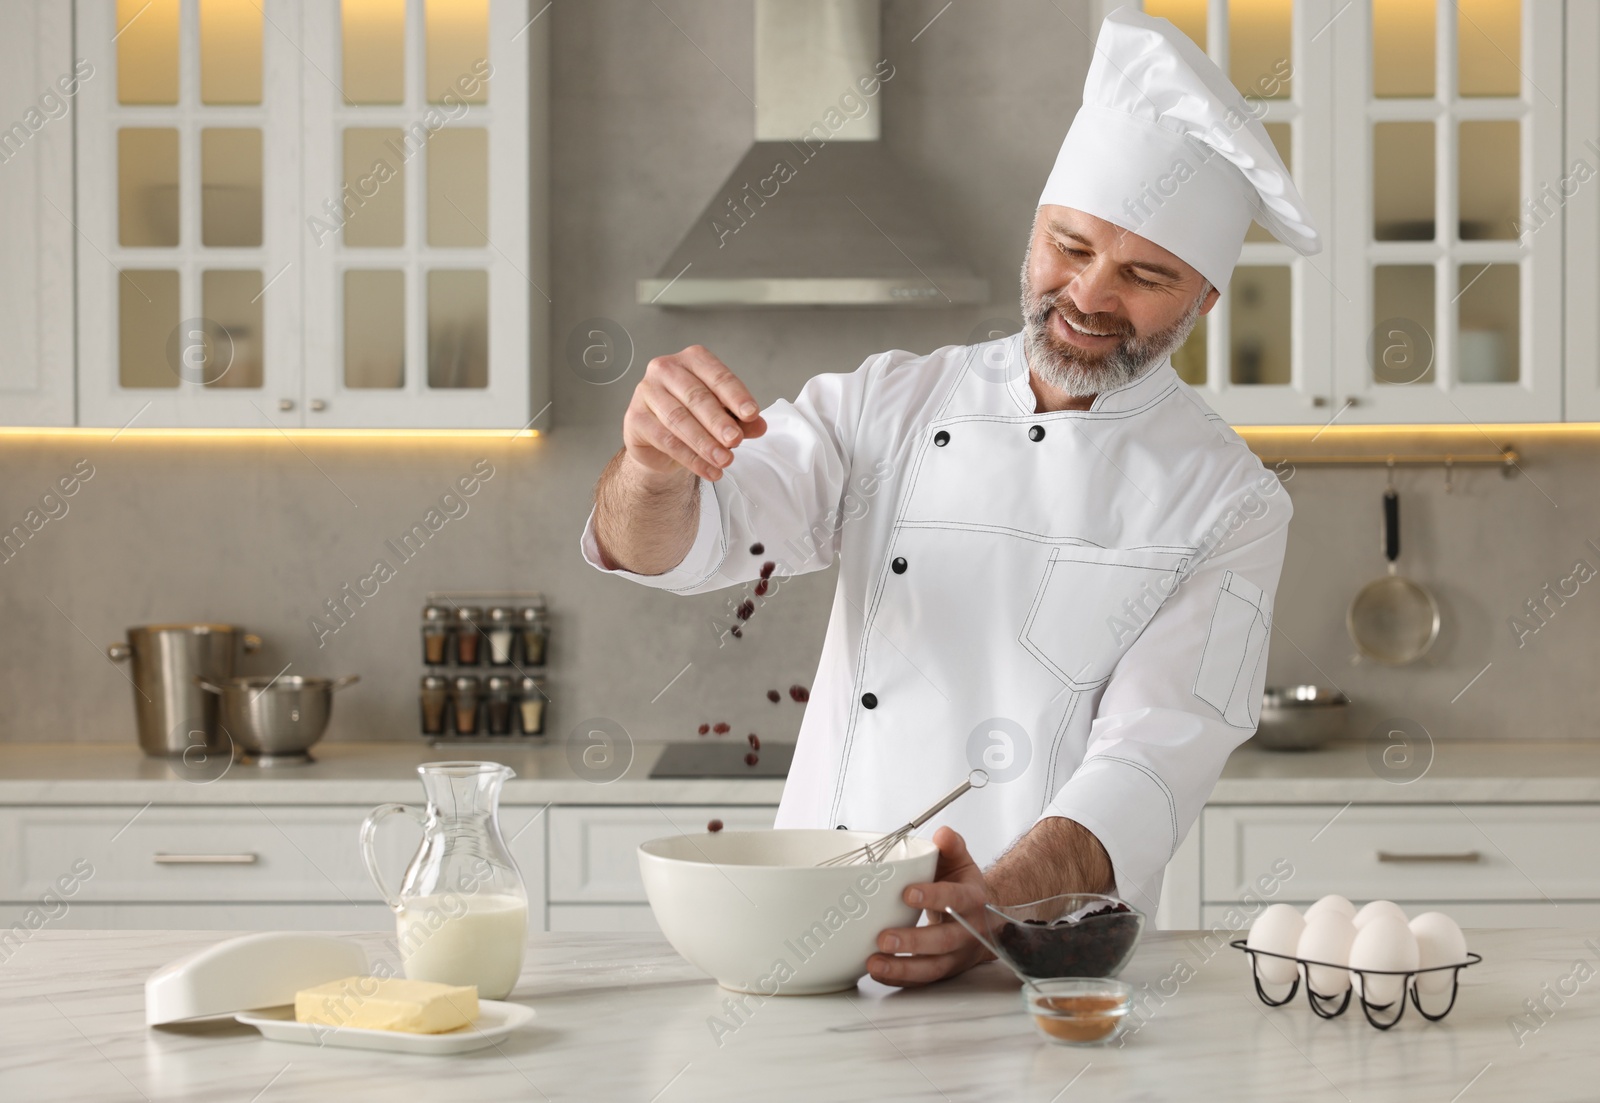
(622, 1017)
(1441, 771)
(372, 773)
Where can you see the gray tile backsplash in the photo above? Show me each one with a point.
(260, 532)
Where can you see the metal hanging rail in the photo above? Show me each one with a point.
(1506, 460)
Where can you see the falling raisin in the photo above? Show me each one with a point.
(714, 826)
(761, 588)
(704, 728)
(754, 740)
(774, 696)
(746, 609)
(751, 759)
(720, 728)
(757, 549)
(799, 693)
(738, 633)
(767, 568)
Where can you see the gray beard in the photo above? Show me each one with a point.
(1079, 373)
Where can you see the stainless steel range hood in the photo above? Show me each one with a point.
(817, 212)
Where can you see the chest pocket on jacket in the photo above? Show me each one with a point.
(1092, 604)
(1235, 649)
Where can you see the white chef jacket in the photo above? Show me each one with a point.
(1077, 601)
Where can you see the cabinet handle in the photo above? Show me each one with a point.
(318, 405)
(205, 859)
(285, 404)
(1463, 856)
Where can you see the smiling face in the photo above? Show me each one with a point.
(1102, 305)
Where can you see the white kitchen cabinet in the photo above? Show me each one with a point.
(1416, 136)
(1573, 202)
(38, 92)
(1404, 852)
(1447, 303)
(307, 214)
(166, 853)
(594, 849)
(1485, 864)
(1262, 355)
(300, 867)
(260, 866)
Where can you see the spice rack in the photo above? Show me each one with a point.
(1325, 1006)
(483, 657)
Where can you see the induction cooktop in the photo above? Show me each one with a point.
(722, 760)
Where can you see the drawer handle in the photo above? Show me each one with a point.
(205, 859)
(1463, 856)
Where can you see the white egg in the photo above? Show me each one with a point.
(1384, 943)
(1439, 942)
(1327, 937)
(1378, 907)
(1332, 903)
(1276, 931)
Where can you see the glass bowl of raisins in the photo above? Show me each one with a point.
(1078, 934)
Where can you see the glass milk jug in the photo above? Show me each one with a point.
(462, 911)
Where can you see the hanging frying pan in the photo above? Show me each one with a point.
(1393, 620)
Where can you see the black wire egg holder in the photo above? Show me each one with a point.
(1323, 1005)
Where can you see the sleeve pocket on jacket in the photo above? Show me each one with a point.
(1234, 650)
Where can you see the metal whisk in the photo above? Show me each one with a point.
(874, 851)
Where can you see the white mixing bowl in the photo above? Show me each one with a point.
(753, 909)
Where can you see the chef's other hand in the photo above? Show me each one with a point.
(689, 412)
(942, 948)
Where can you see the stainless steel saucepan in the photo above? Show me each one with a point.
(276, 721)
(174, 715)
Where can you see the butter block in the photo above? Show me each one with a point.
(388, 1003)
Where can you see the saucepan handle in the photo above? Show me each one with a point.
(369, 852)
(1391, 525)
(207, 686)
(119, 652)
(347, 680)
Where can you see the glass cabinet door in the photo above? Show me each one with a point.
(417, 195)
(188, 169)
(1260, 355)
(310, 213)
(1448, 274)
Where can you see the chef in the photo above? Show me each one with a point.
(1056, 563)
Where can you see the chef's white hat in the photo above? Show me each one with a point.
(1166, 147)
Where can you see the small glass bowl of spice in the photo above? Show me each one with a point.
(1078, 1011)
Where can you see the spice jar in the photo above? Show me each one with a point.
(468, 634)
(498, 706)
(436, 633)
(534, 631)
(466, 701)
(500, 634)
(435, 696)
(530, 705)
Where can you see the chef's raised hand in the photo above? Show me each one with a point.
(688, 413)
(942, 948)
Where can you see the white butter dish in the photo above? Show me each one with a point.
(251, 971)
(495, 1021)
